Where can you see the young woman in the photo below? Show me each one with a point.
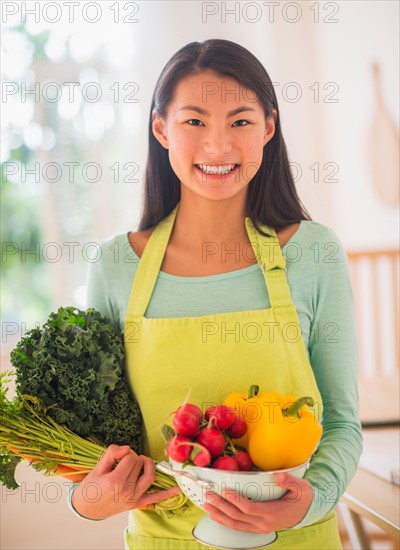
(228, 282)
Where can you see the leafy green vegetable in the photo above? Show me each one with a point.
(27, 432)
(7, 470)
(75, 364)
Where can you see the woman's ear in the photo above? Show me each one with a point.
(158, 126)
(270, 126)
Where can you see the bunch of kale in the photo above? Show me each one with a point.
(76, 362)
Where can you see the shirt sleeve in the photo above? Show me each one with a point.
(98, 292)
(71, 489)
(334, 358)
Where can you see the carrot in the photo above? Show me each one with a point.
(67, 472)
(61, 470)
(16, 451)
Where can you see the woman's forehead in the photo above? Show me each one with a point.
(209, 87)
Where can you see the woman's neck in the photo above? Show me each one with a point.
(200, 221)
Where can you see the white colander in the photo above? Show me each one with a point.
(195, 482)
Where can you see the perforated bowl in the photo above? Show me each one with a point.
(258, 486)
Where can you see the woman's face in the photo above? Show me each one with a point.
(215, 131)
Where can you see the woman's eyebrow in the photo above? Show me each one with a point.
(202, 111)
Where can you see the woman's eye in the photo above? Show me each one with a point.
(193, 122)
(197, 122)
(245, 121)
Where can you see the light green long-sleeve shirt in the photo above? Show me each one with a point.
(319, 282)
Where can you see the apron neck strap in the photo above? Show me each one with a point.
(269, 256)
(149, 265)
(266, 249)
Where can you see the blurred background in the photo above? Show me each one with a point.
(76, 93)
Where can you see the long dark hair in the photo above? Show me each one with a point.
(272, 199)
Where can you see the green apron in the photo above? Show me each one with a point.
(213, 355)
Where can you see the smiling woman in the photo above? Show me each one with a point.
(219, 80)
(218, 179)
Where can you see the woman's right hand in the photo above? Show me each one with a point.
(110, 489)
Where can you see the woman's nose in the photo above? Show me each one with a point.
(217, 143)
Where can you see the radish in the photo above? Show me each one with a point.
(186, 424)
(224, 416)
(179, 448)
(200, 455)
(193, 409)
(244, 462)
(226, 463)
(213, 439)
(238, 428)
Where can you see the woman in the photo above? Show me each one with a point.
(224, 244)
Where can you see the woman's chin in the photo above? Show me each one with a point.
(213, 192)
(214, 187)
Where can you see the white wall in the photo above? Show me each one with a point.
(36, 517)
(367, 32)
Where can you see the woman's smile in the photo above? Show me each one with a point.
(217, 171)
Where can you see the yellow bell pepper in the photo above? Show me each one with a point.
(281, 431)
(237, 401)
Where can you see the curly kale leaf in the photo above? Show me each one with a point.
(7, 470)
(76, 362)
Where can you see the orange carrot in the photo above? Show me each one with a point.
(16, 451)
(60, 470)
(65, 470)
(146, 507)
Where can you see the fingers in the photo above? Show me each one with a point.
(141, 484)
(218, 515)
(129, 467)
(148, 476)
(233, 510)
(294, 487)
(284, 479)
(148, 499)
(162, 495)
(232, 504)
(237, 514)
(113, 453)
(133, 476)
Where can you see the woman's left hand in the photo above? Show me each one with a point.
(243, 514)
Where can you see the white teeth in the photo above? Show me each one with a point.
(222, 169)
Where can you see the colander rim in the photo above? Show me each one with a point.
(250, 473)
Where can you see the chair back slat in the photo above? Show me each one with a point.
(375, 279)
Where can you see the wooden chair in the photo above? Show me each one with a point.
(375, 279)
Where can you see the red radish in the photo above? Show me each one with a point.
(244, 462)
(226, 463)
(186, 424)
(178, 448)
(193, 409)
(224, 416)
(202, 459)
(200, 455)
(213, 439)
(238, 428)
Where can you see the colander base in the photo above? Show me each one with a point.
(214, 534)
